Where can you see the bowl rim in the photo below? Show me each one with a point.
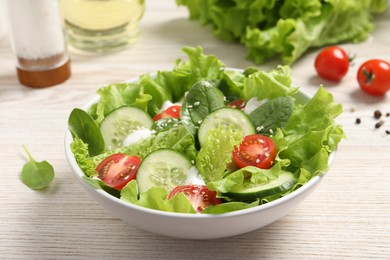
(78, 173)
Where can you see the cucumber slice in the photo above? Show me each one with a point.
(119, 123)
(163, 168)
(283, 183)
(228, 117)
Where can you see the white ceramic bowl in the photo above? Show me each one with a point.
(195, 226)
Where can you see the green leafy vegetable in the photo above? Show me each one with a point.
(229, 207)
(37, 175)
(156, 198)
(273, 84)
(286, 28)
(272, 115)
(81, 154)
(186, 74)
(312, 133)
(215, 155)
(201, 100)
(99, 184)
(82, 126)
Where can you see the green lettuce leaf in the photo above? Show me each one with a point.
(312, 134)
(156, 198)
(273, 84)
(187, 73)
(81, 154)
(215, 155)
(229, 207)
(271, 28)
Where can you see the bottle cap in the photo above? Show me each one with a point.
(46, 78)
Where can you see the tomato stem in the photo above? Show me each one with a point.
(370, 76)
(351, 59)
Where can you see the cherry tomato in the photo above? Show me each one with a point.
(170, 112)
(199, 196)
(118, 169)
(255, 150)
(332, 63)
(374, 77)
(239, 104)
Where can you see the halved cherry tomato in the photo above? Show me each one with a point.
(239, 104)
(170, 112)
(332, 63)
(255, 150)
(199, 196)
(374, 77)
(118, 169)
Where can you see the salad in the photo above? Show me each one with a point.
(202, 138)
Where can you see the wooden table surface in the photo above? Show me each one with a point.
(347, 217)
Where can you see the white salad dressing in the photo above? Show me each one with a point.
(165, 105)
(168, 104)
(136, 136)
(252, 104)
(194, 177)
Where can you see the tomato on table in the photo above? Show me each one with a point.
(199, 196)
(170, 112)
(239, 104)
(118, 169)
(332, 63)
(374, 77)
(255, 150)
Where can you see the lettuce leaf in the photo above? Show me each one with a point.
(229, 207)
(271, 28)
(81, 154)
(187, 73)
(215, 155)
(312, 134)
(156, 198)
(262, 84)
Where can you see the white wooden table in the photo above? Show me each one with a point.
(347, 217)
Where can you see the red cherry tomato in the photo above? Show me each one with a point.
(255, 150)
(199, 196)
(118, 169)
(170, 112)
(332, 63)
(374, 77)
(239, 104)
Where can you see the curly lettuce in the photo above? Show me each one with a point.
(271, 28)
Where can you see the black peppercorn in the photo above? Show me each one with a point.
(377, 114)
(379, 124)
